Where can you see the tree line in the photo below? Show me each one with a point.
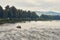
(49, 17)
(11, 14)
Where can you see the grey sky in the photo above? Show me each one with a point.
(46, 5)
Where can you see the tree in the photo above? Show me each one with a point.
(7, 12)
(1, 12)
(13, 12)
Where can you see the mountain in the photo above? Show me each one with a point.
(47, 13)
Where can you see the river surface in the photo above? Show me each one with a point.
(33, 30)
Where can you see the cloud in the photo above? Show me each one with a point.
(33, 4)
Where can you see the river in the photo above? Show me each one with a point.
(33, 30)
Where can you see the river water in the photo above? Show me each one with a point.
(33, 30)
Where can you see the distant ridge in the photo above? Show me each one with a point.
(47, 13)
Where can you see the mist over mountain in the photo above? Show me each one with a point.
(47, 13)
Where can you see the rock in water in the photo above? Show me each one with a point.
(18, 26)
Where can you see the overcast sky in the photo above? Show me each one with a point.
(41, 5)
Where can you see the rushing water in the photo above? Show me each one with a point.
(34, 30)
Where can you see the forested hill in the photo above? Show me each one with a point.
(49, 17)
(47, 12)
(11, 14)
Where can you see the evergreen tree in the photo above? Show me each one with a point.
(7, 13)
(1, 12)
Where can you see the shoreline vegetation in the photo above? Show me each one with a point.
(13, 15)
